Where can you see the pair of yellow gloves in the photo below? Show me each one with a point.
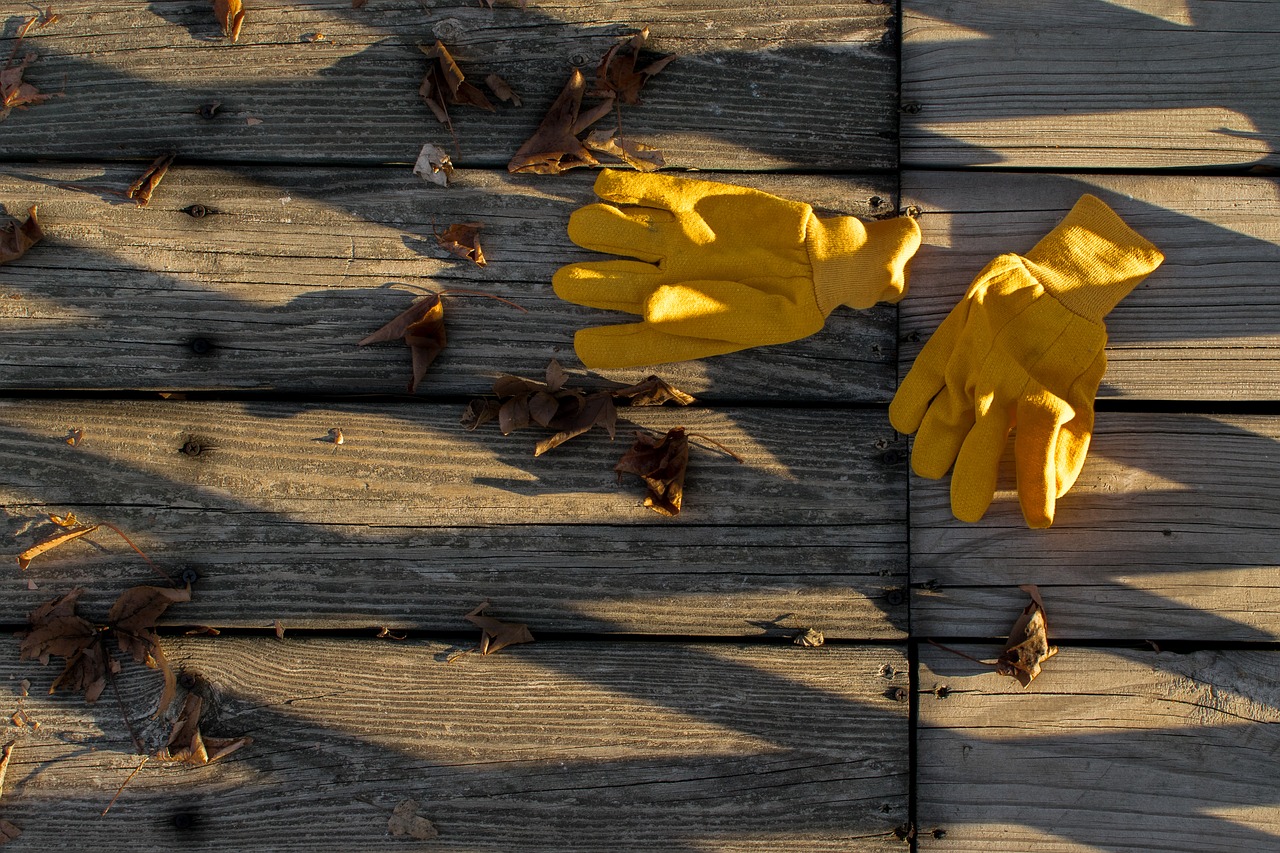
(716, 268)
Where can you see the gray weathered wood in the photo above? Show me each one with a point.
(553, 746)
(809, 84)
(1139, 84)
(413, 520)
(1204, 326)
(293, 266)
(1169, 534)
(1107, 750)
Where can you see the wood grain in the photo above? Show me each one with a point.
(1204, 326)
(751, 89)
(552, 746)
(1108, 749)
(289, 267)
(413, 520)
(1169, 534)
(1139, 84)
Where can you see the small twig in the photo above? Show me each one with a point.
(124, 713)
(159, 570)
(719, 446)
(462, 291)
(129, 779)
(4, 764)
(962, 654)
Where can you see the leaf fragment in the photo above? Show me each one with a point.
(14, 91)
(502, 90)
(637, 155)
(230, 16)
(463, 240)
(495, 634)
(66, 535)
(141, 189)
(1028, 647)
(434, 165)
(444, 85)
(406, 822)
(554, 147)
(8, 831)
(187, 744)
(809, 638)
(620, 72)
(15, 239)
(4, 764)
(661, 463)
(421, 326)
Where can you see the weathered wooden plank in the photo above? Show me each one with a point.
(752, 89)
(1138, 84)
(292, 266)
(1204, 326)
(413, 520)
(1106, 750)
(552, 746)
(1169, 534)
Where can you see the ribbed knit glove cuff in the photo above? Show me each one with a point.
(1092, 259)
(858, 263)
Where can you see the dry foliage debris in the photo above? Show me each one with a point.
(570, 412)
(434, 165)
(14, 91)
(462, 240)
(141, 189)
(494, 634)
(445, 85)
(557, 144)
(230, 17)
(406, 822)
(189, 745)
(661, 462)
(16, 238)
(58, 631)
(421, 327)
(1028, 645)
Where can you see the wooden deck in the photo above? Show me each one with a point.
(664, 705)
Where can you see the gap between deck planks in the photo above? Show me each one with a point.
(752, 87)
(1130, 85)
(554, 746)
(413, 520)
(294, 265)
(1108, 750)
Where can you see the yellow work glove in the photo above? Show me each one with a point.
(720, 268)
(1024, 348)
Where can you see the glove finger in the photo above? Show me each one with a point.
(942, 432)
(1076, 433)
(928, 375)
(1035, 453)
(639, 344)
(973, 482)
(659, 191)
(730, 311)
(612, 285)
(635, 232)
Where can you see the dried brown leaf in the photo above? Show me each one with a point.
(188, 745)
(57, 630)
(406, 822)
(25, 558)
(620, 72)
(554, 146)
(652, 392)
(1028, 647)
(141, 189)
(133, 618)
(637, 155)
(421, 327)
(15, 239)
(480, 412)
(463, 241)
(661, 463)
(444, 84)
(8, 832)
(434, 165)
(230, 16)
(14, 91)
(4, 764)
(502, 90)
(494, 634)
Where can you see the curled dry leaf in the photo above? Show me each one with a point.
(810, 638)
(406, 822)
(8, 831)
(621, 73)
(70, 532)
(661, 463)
(554, 146)
(445, 85)
(230, 16)
(502, 90)
(1028, 645)
(434, 165)
(421, 327)
(188, 745)
(14, 91)
(637, 155)
(16, 238)
(4, 764)
(141, 189)
(463, 241)
(494, 634)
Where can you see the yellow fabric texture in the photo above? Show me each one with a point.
(1024, 349)
(713, 268)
